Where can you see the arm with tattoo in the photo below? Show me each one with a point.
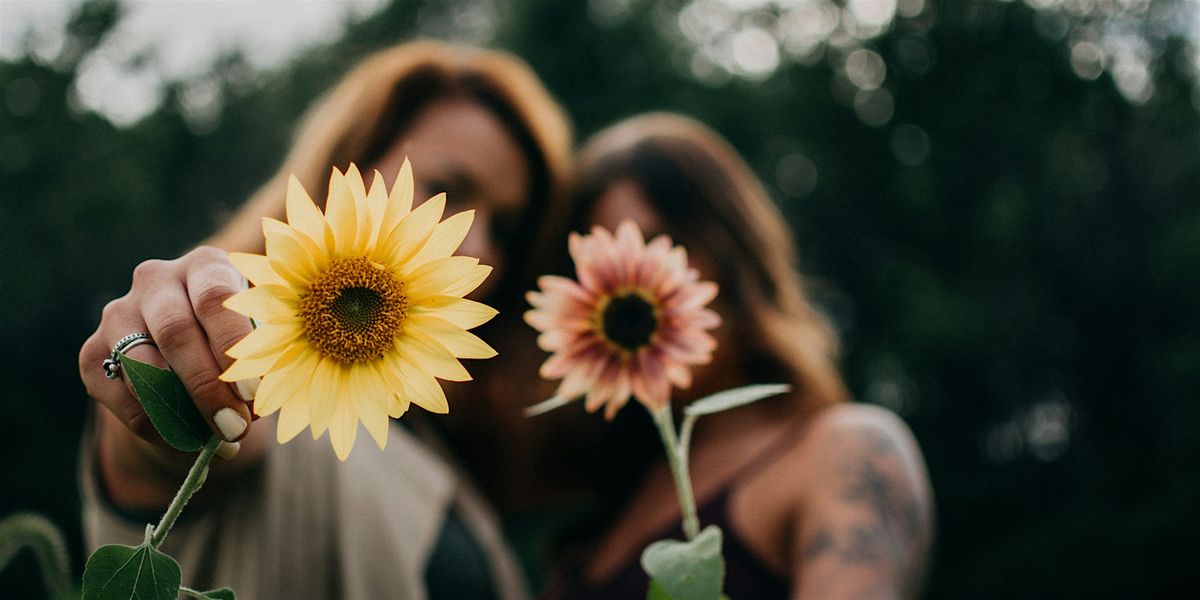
(864, 524)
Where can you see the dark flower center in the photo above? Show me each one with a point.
(629, 321)
(353, 310)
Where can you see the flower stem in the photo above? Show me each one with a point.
(195, 479)
(678, 460)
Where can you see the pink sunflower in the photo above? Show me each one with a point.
(633, 324)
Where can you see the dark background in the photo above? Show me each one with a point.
(1005, 231)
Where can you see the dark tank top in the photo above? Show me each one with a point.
(746, 576)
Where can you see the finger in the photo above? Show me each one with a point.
(181, 339)
(209, 284)
(120, 318)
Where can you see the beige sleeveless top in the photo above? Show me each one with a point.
(306, 526)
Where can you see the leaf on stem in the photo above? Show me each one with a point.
(686, 570)
(168, 405)
(124, 572)
(734, 398)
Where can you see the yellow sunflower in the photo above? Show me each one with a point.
(359, 309)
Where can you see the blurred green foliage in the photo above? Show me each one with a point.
(1012, 258)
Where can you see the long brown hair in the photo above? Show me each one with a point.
(711, 201)
(361, 117)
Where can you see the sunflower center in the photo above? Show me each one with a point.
(353, 310)
(629, 321)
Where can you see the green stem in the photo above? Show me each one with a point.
(28, 530)
(678, 460)
(195, 479)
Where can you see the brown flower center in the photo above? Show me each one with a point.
(628, 320)
(353, 310)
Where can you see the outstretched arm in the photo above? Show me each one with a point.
(864, 526)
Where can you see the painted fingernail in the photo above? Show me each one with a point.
(230, 423)
(247, 388)
(228, 450)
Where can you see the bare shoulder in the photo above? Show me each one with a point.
(854, 431)
(868, 508)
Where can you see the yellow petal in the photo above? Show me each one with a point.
(377, 203)
(302, 213)
(453, 338)
(389, 370)
(446, 238)
(257, 268)
(344, 428)
(430, 356)
(458, 311)
(265, 303)
(361, 210)
(293, 418)
(399, 202)
(469, 282)
(322, 395)
(342, 215)
(268, 339)
(246, 368)
(371, 396)
(285, 383)
(423, 390)
(401, 243)
(435, 277)
(293, 255)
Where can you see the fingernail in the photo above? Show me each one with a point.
(230, 423)
(228, 450)
(247, 388)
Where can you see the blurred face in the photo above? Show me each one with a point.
(460, 148)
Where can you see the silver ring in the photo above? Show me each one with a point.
(112, 364)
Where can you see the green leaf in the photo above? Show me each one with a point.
(217, 594)
(127, 573)
(168, 405)
(656, 592)
(686, 570)
(734, 398)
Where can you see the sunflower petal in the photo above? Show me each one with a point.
(270, 338)
(370, 396)
(467, 284)
(377, 203)
(362, 211)
(342, 215)
(453, 338)
(423, 389)
(293, 418)
(344, 428)
(389, 371)
(256, 268)
(302, 213)
(435, 277)
(265, 303)
(285, 383)
(293, 255)
(402, 242)
(453, 309)
(446, 238)
(323, 394)
(431, 356)
(399, 202)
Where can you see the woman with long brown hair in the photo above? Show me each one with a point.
(818, 497)
(288, 521)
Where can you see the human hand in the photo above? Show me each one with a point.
(179, 303)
